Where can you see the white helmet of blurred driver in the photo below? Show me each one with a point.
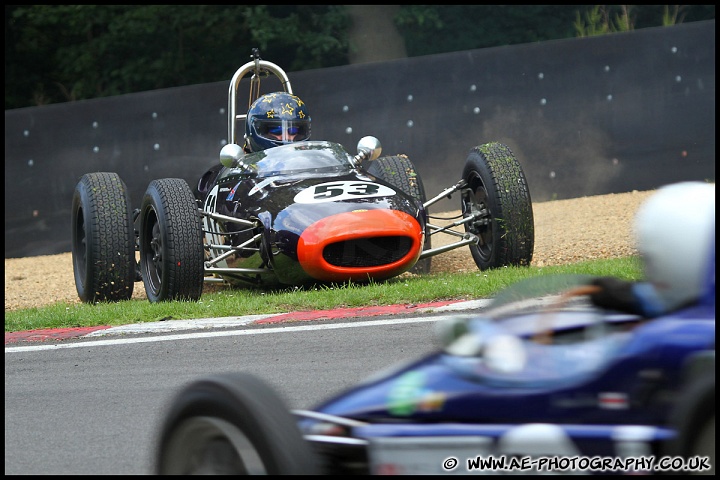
(675, 231)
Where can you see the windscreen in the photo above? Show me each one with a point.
(300, 157)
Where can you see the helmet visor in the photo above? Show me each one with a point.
(283, 130)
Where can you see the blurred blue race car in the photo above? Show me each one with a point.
(543, 381)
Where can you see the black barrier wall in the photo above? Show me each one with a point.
(587, 116)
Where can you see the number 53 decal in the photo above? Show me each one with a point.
(334, 191)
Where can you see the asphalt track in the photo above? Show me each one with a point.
(59, 334)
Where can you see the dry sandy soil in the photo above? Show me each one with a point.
(566, 231)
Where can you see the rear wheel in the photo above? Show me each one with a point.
(171, 242)
(498, 198)
(232, 424)
(400, 172)
(103, 239)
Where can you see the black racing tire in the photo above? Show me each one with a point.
(232, 423)
(497, 190)
(693, 420)
(400, 172)
(171, 242)
(103, 239)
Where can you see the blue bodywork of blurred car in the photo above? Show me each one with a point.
(541, 374)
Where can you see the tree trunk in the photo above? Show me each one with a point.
(373, 35)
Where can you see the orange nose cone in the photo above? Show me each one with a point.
(360, 245)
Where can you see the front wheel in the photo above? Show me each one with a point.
(232, 424)
(497, 199)
(693, 420)
(171, 245)
(103, 239)
(400, 172)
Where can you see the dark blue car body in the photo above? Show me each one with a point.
(607, 384)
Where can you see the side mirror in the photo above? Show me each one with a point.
(231, 154)
(368, 148)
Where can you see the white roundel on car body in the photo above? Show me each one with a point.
(343, 190)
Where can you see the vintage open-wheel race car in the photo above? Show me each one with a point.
(300, 213)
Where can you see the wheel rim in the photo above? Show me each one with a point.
(153, 253)
(474, 203)
(208, 445)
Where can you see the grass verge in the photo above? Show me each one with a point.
(238, 302)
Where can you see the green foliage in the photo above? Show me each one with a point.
(60, 53)
(673, 16)
(433, 29)
(299, 37)
(600, 20)
(603, 19)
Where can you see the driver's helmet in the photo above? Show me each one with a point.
(675, 232)
(276, 119)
